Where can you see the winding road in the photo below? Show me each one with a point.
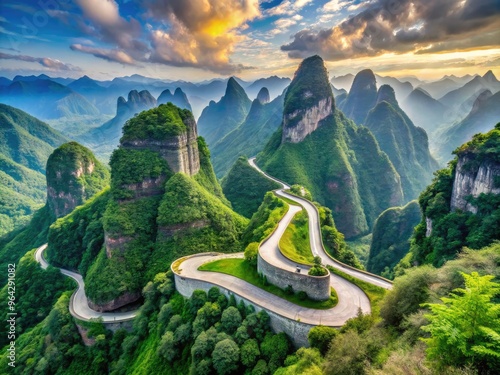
(351, 298)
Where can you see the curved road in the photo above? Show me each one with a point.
(351, 298)
(315, 235)
(78, 306)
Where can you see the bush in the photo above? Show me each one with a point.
(251, 253)
(318, 271)
(320, 337)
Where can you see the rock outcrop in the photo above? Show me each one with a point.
(73, 176)
(308, 101)
(263, 96)
(473, 179)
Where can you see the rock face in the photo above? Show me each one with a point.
(362, 96)
(73, 176)
(308, 100)
(472, 179)
(123, 300)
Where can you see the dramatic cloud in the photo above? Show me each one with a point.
(45, 61)
(200, 33)
(400, 26)
(288, 8)
(113, 55)
(110, 27)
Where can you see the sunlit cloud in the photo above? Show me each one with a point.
(52, 64)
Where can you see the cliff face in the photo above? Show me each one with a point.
(308, 100)
(73, 176)
(473, 180)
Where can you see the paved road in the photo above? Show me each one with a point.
(315, 235)
(78, 306)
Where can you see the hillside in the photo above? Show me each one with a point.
(391, 238)
(251, 136)
(318, 147)
(219, 119)
(462, 205)
(406, 145)
(25, 146)
(164, 202)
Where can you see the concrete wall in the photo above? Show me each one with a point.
(296, 330)
(316, 287)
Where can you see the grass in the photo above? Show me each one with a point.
(374, 293)
(241, 269)
(295, 244)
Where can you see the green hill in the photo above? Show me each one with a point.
(25, 146)
(340, 163)
(245, 187)
(406, 145)
(391, 237)
(250, 137)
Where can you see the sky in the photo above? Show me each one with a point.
(195, 40)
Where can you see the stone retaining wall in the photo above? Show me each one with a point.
(316, 287)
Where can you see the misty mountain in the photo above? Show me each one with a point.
(178, 98)
(274, 84)
(425, 111)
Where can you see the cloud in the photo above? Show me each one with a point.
(47, 62)
(389, 26)
(287, 7)
(113, 55)
(200, 33)
(335, 5)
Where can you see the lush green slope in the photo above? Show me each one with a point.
(406, 145)
(245, 187)
(250, 137)
(391, 237)
(453, 229)
(25, 145)
(343, 168)
(338, 162)
(218, 119)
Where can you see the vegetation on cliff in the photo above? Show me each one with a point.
(245, 187)
(451, 230)
(391, 238)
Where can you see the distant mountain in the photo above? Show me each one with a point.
(340, 163)
(361, 97)
(218, 119)
(343, 82)
(251, 136)
(337, 92)
(274, 84)
(458, 96)
(25, 146)
(46, 99)
(483, 116)
(401, 88)
(85, 84)
(5, 81)
(178, 98)
(439, 88)
(104, 139)
(425, 111)
(406, 145)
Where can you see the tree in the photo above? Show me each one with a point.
(167, 348)
(465, 328)
(230, 320)
(225, 356)
(320, 337)
(250, 353)
(251, 253)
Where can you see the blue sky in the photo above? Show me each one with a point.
(202, 39)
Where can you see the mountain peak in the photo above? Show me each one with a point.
(263, 96)
(490, 77)
(362, 96)
(478, 103)
(233, 87)
(308, 100)
(364, 80)
(386, 93)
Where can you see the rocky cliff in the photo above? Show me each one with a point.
(73, 176)
(308, 101)
(473, 178)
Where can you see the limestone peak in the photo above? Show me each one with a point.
(386, 93)
(263, 96)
